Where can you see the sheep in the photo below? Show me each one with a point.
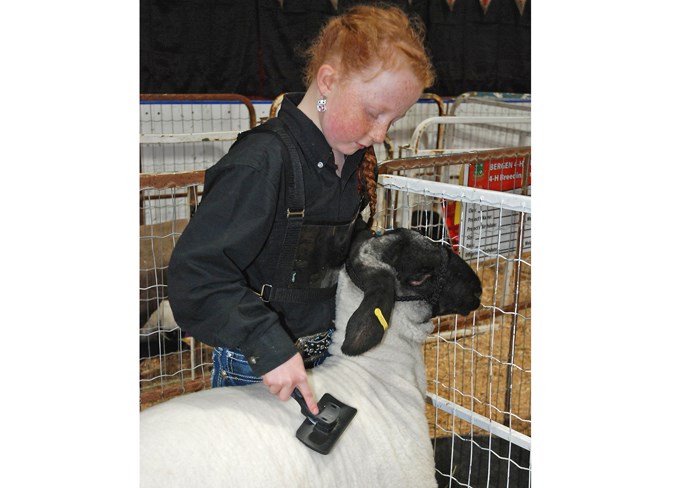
(155, 248)
(158, 331)
(161, 320)
(244, 436)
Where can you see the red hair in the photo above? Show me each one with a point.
(366, 35)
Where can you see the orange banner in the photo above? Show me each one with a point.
(503, 174)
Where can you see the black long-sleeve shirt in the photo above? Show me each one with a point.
(225, 250)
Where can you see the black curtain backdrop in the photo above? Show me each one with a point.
(255, 47)
(198, 46)
(284, 34)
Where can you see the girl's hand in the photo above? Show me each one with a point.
(291, 374)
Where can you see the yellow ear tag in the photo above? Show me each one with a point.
(381, 318)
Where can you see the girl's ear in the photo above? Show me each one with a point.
(326, 78)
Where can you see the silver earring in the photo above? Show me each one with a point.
(322, 104)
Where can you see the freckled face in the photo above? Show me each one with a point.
(360, 110)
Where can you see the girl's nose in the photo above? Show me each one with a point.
(378, 132)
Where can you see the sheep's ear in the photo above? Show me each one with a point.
(369, 322)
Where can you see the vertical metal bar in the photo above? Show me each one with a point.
(513, 326)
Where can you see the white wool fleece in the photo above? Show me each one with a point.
(244, 436)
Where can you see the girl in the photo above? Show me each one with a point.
(254, 273)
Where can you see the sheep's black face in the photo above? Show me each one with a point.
(406, 266)
(433, 272)
(462, 288)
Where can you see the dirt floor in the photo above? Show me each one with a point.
(169, 376)
(473, 371)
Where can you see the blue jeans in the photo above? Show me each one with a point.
(232, 369)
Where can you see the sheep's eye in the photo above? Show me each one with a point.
(418, 279)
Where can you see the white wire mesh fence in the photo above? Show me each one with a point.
(479, 367)
(190, 132)
(170, 363)
(471, 121)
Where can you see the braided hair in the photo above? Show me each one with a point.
(369, 172)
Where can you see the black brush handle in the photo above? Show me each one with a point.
(298, 396)
(325, 420)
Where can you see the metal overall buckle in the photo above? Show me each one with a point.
(265, 292)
